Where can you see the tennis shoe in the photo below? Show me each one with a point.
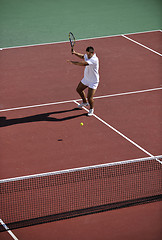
(83, 105)
(90, 113)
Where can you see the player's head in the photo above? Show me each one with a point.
(90, 51)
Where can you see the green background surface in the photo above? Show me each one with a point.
(25, 22)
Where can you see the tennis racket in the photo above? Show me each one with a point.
(72, 40)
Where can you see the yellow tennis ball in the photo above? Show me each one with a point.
(81, 124)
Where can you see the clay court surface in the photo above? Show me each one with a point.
(41, 131)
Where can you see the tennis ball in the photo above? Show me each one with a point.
(81, 124)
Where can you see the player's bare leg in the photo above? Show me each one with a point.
(80, 89)
(90, 96)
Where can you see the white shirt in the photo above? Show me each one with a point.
(91, 72)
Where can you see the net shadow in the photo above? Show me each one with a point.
(81, 212)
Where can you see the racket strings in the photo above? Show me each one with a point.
(72, 39)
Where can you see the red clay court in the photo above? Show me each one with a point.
(41, 131)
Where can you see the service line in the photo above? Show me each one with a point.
(70, 101)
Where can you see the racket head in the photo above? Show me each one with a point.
(71, 39)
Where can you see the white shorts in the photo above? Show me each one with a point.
(89, 84)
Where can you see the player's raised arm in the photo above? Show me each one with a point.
(80, 55)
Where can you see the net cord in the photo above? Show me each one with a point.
(81, 169)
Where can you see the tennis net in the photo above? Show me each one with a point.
(46, 197)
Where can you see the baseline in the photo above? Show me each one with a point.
(84, 39)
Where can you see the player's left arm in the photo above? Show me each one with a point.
(82, 63)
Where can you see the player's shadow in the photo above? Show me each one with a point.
(4, 122)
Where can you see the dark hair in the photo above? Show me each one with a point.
(90, 49)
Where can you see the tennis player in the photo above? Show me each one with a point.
(91, 77)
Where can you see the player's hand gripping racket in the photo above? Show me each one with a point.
(72, 41)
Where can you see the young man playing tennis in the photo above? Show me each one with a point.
(91, 77)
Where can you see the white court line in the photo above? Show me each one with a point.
(34, 106)
(70, 101)
(84, 39)
(121, 134)
(129, 93)
(141, 45)
(8, 230)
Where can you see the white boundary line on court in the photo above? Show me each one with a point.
(128, 93)
(8, 230)
(84, 39)
(142, 45)
(121, 134)
(70, 101)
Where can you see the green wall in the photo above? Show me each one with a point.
(24, 22)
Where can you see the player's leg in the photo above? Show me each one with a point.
(80, 90)
(90, 96)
